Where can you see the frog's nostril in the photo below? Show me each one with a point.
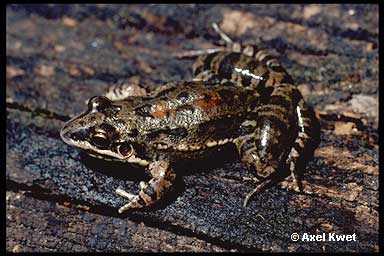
(75, 136)
(69, 136)
(79, 135)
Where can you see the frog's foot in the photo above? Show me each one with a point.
(162, 180)
(194, 53)
(135, 200)
(223, 36)
(124, 89)
(265, 56)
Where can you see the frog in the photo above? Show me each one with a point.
(240, 96)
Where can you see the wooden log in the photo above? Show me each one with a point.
(59, 56)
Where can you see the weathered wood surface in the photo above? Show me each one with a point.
(59, 199)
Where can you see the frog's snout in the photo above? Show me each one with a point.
(70, 136)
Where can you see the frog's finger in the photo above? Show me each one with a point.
(134, 200)
(126, 207)
(125, 194)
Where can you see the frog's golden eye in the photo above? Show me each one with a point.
(125, 149)
(100, 140)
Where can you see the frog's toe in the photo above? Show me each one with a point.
(258, 188)
(134, 200)
(298, 186)
(142, 185)
(124, 208)
(248, 197)
(133, 204)
(125, 194)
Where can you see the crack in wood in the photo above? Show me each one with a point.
(37, 111)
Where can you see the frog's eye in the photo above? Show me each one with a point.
(100, 140)
(125, 149)
(102, 135)
(98, 103)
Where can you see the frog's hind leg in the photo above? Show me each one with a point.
(265, 176)
(306, 142)
(267, 148)
(163, 177)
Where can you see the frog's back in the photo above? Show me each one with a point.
(189, 116)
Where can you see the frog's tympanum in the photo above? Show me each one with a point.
(241, 95)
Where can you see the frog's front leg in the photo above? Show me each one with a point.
(163, 177)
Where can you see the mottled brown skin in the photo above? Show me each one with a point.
(243, 97)
(184, 120)
(287, 131)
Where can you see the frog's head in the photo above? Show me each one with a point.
(98, 131)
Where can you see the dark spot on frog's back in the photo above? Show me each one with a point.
(183, 96)
(205, 63)
(166, 91)
(226, 65)
(180, 132)
(133, 133)
(187, 108)
(144, 110)
(226, 95)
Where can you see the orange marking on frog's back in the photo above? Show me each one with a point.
(209, 101)
(159, 109)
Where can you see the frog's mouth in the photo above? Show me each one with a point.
(132, 159)
(103, 153)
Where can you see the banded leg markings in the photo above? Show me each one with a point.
(123, 90)
(306, 142)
